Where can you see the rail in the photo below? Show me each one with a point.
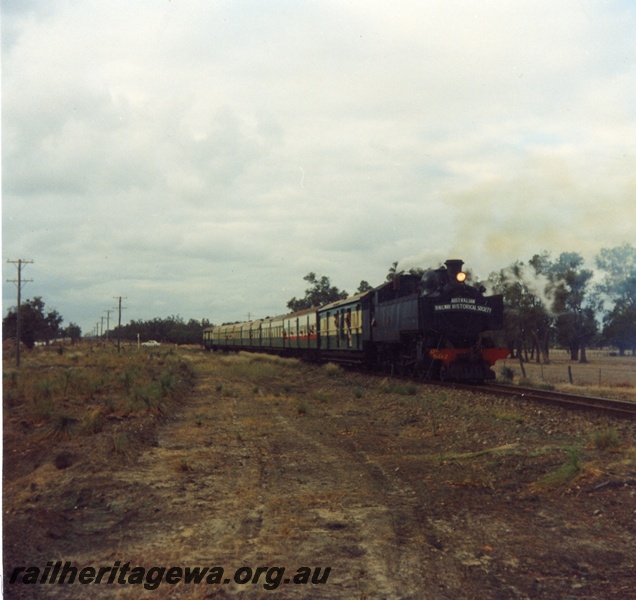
(617, 408)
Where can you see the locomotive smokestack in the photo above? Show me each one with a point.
(454, 267)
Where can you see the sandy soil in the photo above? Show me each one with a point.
(403, 491)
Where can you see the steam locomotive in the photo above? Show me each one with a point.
(436, 326)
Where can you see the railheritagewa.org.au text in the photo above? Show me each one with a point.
(150, 578)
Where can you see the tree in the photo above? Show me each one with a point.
(573, 304)
(619, 288)
(36, 324)
(320, 293)
(620, 327)
(417, 271)
(74, 332)
(528, 321)
(363, 287)
(393, 272)
(619, 265)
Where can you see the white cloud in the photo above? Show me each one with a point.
(201, 158)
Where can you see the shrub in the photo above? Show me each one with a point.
(545, 386)
(332, 369)
(565, 472)
(526, 382)
(410, 389)
(606, 439)
(403, 389)
(128, 378)
(10, 377)
(149, 395)
(121, 444)
(62, 426)
(507, 374)
(93, 422)
(169, 383)
(44, 389)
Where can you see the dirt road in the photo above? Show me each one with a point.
(380, 491)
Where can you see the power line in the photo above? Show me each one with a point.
(19, 283)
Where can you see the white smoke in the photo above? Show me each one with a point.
(537, 284)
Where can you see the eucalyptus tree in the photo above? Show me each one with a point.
(37, 323)
(528, 320)
(574, 304)
(320, 293)
(618, 288)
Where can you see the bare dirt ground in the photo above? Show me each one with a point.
(403, 490)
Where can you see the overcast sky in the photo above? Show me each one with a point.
(200, 157)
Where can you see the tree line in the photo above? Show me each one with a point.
(561, 302)
(548, 302)
(170, 330)
(37, 324)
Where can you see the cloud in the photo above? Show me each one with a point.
(200, 158)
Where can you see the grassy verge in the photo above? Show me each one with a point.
(59, 396)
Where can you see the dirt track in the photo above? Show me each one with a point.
(402, 496)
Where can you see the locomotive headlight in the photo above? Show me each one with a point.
(461, 277)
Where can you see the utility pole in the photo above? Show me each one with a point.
(19, 281)
(101, 331)
(107, 323)
(118, 298)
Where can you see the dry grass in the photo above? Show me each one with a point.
(332, 369)
(606, 439)
(71, 394)
(603, 375)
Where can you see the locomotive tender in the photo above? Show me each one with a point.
(434, 327)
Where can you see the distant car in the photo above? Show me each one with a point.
(151, 344)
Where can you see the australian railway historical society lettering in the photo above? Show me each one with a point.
(463, 304)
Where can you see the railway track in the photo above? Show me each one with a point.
(617, 408)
